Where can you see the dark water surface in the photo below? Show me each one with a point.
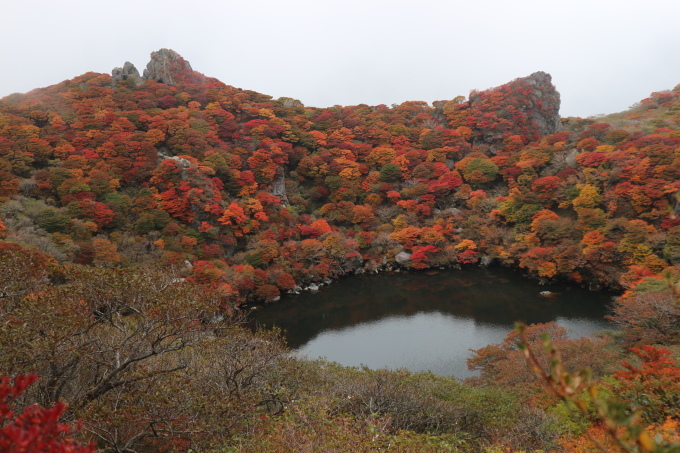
(425, 320)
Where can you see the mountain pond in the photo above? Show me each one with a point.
(426, 320)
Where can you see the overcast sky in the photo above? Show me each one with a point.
(603, 55)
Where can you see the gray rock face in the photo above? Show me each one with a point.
(570, 160)
(128, 71)
(546, 103)
(279, 186)
(526, 106)
(403, 258)
(165, 65)
(486, 261)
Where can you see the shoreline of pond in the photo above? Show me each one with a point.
(473, 305)
(389, 269)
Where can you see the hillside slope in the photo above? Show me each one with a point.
(257, 196)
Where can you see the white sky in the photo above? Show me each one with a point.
(603, 55)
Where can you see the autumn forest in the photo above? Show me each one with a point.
(139, 214)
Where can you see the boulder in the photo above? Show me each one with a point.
(403, 258)
(486, 261)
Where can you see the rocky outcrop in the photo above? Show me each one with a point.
(128, 71)
(166, 66)
(279, 186)
(544, 106)
(527, 107)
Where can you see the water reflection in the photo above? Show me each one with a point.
(425, 322)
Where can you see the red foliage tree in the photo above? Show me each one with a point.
(654, 386)
(36, 429)
(285, 281)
